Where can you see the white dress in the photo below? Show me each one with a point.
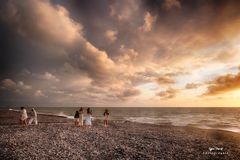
(33, 118)
(81, 119)
(88, 120)
(24, 114)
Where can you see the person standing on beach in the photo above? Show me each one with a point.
(81, 117)
(76, 118)
(106, 114)
(88, 118)
(23, 116)
(33, 117)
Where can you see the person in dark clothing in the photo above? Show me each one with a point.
(76, 118)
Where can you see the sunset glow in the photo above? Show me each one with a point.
(129, 53)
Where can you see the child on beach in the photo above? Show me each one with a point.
(106, 114)
(81, 117)
(33, 117)
(76, 118)
(88, 118)
(23, 116)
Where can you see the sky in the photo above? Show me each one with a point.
(128, 53)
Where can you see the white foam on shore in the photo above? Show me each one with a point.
(15, 110)
(185, 121)
(64, 115)
(148, 120)
(231, 129)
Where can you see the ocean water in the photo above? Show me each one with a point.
(207, 118)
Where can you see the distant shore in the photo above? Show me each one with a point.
(56, 138)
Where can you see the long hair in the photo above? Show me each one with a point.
(106, 112)
(76, 114)
(89, 111)
(81, 109)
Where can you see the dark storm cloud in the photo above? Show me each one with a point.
(66, 41)
(95, 18)
(61, 40)
(17, 49)
(202, 14)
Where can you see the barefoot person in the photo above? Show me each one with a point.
(76, 118)
(81, 117)
(33, 117)
(88, 118)
(23, 116)
(106, 114)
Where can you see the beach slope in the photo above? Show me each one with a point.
(57, 138)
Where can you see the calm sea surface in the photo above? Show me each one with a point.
(208, 118)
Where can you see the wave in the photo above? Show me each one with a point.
(148, 120)
(194, 122)
(229, 122)
(15, 110)
(62, 114)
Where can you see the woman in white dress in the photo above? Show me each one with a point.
(23, 116)
(88, 118)
(33, 117)
(81, 117)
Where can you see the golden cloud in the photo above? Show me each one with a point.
(17, 87)
(125, 94)
(53, 24)
(168, 94)
(192, 85)
(165, 79)
(149, 20)
(111, 35)
(169, 4)
(223, 84)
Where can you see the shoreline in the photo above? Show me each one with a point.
(121, 121)
(120, 140)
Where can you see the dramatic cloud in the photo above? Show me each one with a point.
(17, 87)
(169, 4)
(23, 86)
(39, 93)
(192, 85)
(63, 53)
(111, 35)
(168, 94)
(223, 84)
(95, 62)
(165, 79)
(148, 22)
(124, 95)
(48, 76)
(124, 10)
(8, 84)
(65, 33)
(22, 15)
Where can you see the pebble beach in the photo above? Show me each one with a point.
(57, 138)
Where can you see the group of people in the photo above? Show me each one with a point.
(24, 120)
(81, 120)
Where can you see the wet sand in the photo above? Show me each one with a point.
(57, 138)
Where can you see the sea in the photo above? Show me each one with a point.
(227, 118)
